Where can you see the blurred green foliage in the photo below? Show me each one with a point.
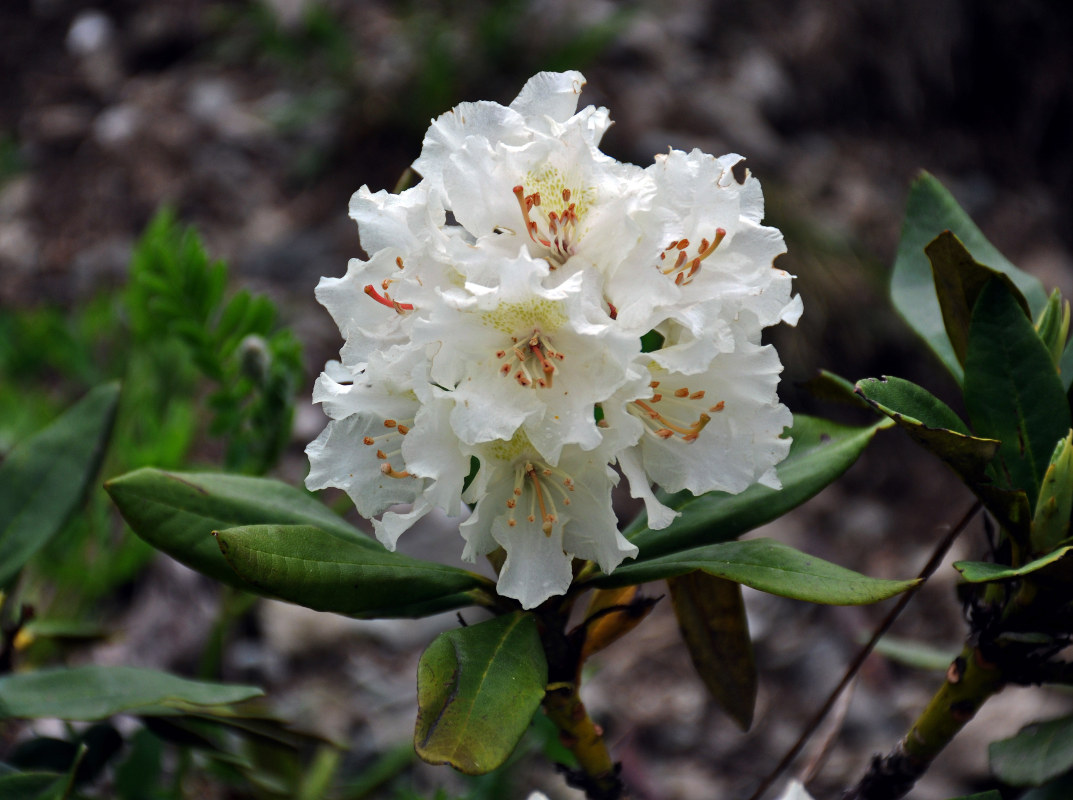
(201, 373)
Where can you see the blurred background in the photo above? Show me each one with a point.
(255, 121)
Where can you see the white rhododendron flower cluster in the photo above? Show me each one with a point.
(534, 313)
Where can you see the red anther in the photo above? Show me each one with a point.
(679, 278)
(718, 407)
(681, 392)
(694, 268)
(653, 384)
(672, 245)
(369, 440)
(678, 262)
(501, 353)
(398, 261)
(390, 423)
(381, 455)
(698, 395)
(664, 433)
(566, 196)
(403, 429)
(505, 369)
(656, 397)
(612, 311)
(683, 244)
(704, 245)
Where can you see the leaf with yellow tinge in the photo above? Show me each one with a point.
(711, 617)
(477, 690)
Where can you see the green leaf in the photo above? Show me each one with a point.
(898, 398)
(959, 279)
(177, 513)
(1053, 326)
(305, 565)
(820, 453)
(31, 785)
(477, 690)
(930, 210)
(912, 653)
(1036, 754)
(936, 428)
(712, 621)
(986, 571)
(96, 692)
(44, 479)
(1012, 392)
(832, 388)
(1050, 523)
(766, 565)
(1065, 366)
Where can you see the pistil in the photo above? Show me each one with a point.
(385, 299)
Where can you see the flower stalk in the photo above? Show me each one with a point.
(970, 681)
(597, 775)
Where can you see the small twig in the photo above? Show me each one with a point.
(854, 667)
(816, 762)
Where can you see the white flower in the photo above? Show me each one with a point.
(539, 312)
(522, 356)
(543, 514)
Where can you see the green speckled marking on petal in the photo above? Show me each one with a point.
(509, 450)
(550, 183)
(522, 318)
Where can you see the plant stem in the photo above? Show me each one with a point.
(970, 681)
(597, 774)
(936, 559)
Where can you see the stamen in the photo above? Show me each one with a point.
(547, 519)
(553, 230)
(533, 356)
(685, 267)
(661, 422)
(385, 300)
(388, 470)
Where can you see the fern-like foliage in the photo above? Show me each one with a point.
(176, 293)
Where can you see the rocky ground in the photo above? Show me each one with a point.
(257, 121)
